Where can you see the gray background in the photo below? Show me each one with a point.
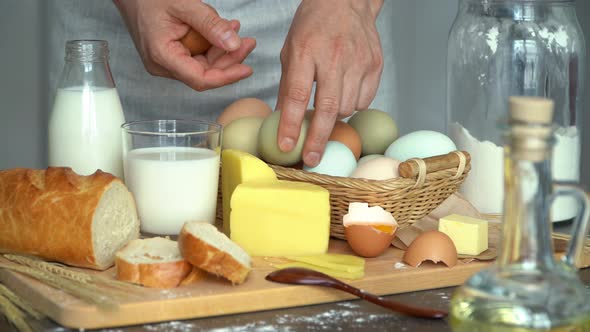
(421, 33)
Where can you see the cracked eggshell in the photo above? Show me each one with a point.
(431, 246)
(368, 230)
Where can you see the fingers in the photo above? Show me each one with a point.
(351, 90)
(294, 92)
(215, 53)
(196, 74)
(327, 106)
(238, 56)
(206, 21)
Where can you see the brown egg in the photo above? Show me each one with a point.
(346, 135)
(432, 246)
(195, 42)
(242, 108)
(369, 240)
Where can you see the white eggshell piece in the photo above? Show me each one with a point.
(361, 213)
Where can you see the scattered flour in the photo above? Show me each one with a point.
(399, 265)
(559, 37)
(492, 39)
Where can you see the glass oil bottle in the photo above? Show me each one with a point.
(527, 289)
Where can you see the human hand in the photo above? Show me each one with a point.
(334, 43)
(156, 27)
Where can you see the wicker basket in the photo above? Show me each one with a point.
(407, 199)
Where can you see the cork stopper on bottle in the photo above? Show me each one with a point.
(531, 119)
(534, 110)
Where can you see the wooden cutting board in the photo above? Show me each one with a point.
(214, 296)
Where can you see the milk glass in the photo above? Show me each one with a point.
(172, 169)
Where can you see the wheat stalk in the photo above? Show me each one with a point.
(14, 315)
(20, 302)
(64, 272)
(86, 292)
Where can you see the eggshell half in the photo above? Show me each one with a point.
(432, 246)
(368, 241)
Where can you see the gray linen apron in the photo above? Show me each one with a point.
(149, 97)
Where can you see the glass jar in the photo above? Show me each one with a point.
(499, 48)
(85, 122)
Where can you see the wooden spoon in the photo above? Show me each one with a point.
(301, 276)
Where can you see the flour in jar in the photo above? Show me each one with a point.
(484, 187)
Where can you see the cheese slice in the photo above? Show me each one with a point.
(470, 235)
(338, 262)
(283, 218)
(359, 274)
(240, 167)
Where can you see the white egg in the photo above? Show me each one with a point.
(369, 157)
(337, 160)
(420, 144)
(379, 168)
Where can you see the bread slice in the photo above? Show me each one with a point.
(195, 276)
(155, 262)
(202, 245)
(61, 216)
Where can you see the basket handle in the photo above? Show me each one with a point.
(458, 159)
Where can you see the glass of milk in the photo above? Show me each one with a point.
(172, 169)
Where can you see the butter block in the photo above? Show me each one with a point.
(240, 167)
(283, 218)
(470, 235)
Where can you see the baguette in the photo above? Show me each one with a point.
(154, 262)
(202, 245)
(61, 216)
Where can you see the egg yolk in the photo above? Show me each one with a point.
(384, 228)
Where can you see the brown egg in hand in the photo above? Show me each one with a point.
(195, 42)
(431, 246)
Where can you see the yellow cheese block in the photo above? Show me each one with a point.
(240, 167)
(470, 235)
(283, 218)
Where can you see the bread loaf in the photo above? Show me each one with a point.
(154, 262)
(202, 245)
(60, 216)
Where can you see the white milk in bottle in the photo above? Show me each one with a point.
(85, 123)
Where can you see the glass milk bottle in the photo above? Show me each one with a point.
(85, 122)
(501, 48)
(527, 289)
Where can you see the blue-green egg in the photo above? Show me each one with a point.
(338, 160)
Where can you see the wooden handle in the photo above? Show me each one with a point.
(410, 168)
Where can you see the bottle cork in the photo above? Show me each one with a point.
(534, 110)
(531, 119)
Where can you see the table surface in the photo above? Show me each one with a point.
(355, 315)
